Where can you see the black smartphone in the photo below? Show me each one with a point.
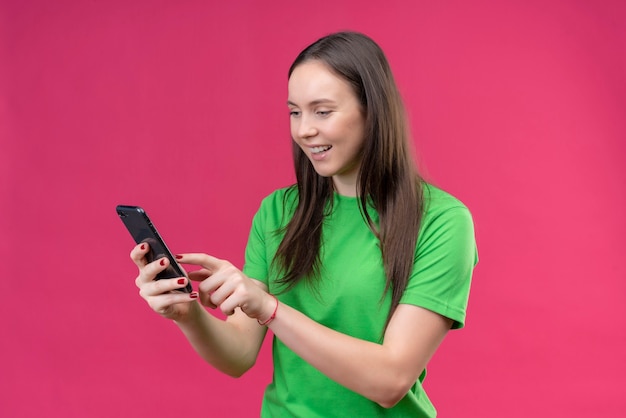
(142, 230)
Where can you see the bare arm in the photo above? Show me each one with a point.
(231, 346)
(411, 339)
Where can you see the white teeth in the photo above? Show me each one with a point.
(317, 150)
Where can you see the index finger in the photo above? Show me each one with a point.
(198, 259)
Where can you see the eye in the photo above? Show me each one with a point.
(294, 113)
(323, 113)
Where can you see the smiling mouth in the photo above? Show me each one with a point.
(318, 150)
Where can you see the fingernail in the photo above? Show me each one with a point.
(181, 281)
(193, 295)
(178, 257)
(143, 246)
(162, 262)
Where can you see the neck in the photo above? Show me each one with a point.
(344, 188)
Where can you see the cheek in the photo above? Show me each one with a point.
(357, 133)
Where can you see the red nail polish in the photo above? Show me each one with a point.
(143, 246)
(162, 262)
(178, 257)
(193, 295)
(181, 281)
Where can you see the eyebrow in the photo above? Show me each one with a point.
(314, 102)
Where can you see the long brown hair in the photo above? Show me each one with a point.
(387, 178)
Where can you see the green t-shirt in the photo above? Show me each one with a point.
(348, 296)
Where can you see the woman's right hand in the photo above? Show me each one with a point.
(160, 294)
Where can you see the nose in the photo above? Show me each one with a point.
(304, 127)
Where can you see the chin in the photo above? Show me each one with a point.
(324, 173)
(321, 171)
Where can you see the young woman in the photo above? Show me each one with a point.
(359, 270)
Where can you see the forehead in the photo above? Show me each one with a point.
(313, 80)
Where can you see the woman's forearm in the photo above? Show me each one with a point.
(230, 346)
(382, 373)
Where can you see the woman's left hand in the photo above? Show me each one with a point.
(225, 286)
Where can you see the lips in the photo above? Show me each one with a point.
(319, 150)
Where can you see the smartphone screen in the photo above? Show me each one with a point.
(142, 230)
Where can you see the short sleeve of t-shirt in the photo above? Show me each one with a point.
(445, 257)
(264, 239)
(256, 263)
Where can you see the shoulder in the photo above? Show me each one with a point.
(280, 199)
(440, 204)
(445, 218)
(277, 207)
(436, 199)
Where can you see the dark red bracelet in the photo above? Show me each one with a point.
(271, 318)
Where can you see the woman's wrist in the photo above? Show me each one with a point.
(192, 316)
(265, 320)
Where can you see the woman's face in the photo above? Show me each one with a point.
(327, 122)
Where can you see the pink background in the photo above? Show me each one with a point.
(517, 108)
